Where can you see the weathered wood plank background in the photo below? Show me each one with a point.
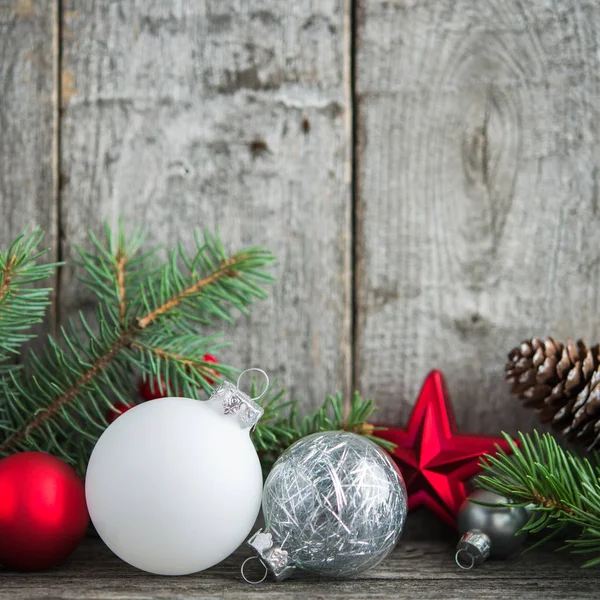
(425, 171)
(235, 114)
(477, 193)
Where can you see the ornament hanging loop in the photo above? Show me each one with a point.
(467, 566)
(257, 370)
(253, 581)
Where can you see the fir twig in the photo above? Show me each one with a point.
(21, 306)
(147, 317)
(226, 268)
(281, 424)
(563, 487)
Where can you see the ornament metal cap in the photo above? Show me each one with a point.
(275, 560)
(230, 400)
(473, 549)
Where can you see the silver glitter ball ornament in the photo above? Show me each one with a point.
(488, 530)
(334, 505)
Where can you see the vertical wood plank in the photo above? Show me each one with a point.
(185, 114)
(478, 194)
(28, 121)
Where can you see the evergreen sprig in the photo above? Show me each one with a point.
(147, 318)
(21, 306)
(563, 487)
(282, 424)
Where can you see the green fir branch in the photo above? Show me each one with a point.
(21, 306)
(147, 320)
(116, 269)
(282, 425)
(563, 487)
(178, 360)
(147, 317)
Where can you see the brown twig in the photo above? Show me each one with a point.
(172, 356)
(125, 340)
(121, 260)
(7, 276)
(361, 429)
(66, 397)
(224, 269)
(550, 503)
(164, 354)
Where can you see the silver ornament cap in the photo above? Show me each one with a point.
(275, 560)
(473, 549)
(228, 399)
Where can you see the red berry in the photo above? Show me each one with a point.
(152, 388)
(120, 408)
(209, 358)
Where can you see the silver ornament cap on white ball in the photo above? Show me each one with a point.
(488, 530)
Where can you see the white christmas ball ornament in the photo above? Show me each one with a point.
(174, 485)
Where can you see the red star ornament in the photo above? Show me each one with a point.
(435, 461)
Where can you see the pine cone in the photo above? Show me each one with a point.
(561, 381)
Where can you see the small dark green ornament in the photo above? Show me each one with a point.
(488, 530)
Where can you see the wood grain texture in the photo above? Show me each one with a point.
(201, 114)
(28, 119)
(477, 214)
(413, 570)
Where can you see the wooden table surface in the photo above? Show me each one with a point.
(414, 570)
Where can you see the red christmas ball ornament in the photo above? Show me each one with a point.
(209, 358)
(120, 408)
(43, 513)
(152, 388)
